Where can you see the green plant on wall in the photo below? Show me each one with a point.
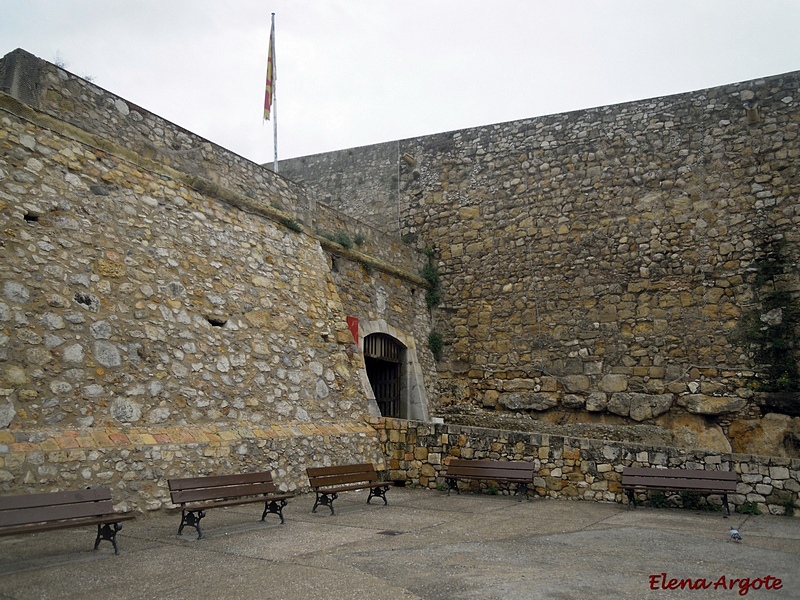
(436, 345)
(749, 508)
(341, 238)
(431, 275)
(771, 329)
(292, 225)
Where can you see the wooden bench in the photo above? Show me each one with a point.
(327, 482)
(643, 479)
(195, 495)
(519, 473)
(29, 513)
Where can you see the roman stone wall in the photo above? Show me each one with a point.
(159, 320)
(609, 264)
(91, 109)
(579, 468)
(362, 182)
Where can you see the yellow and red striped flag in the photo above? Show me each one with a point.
(270, 93)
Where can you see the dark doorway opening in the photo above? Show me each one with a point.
(383, 360)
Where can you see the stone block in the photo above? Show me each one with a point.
(576, 383)
(703, 404)
(596, 402)
(613, 382)
(538, 401)
(649, 406)
(779, 473)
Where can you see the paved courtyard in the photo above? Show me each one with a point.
(424, 544)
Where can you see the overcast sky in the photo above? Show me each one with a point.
(357, 72)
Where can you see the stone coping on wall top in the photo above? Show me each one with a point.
(53, 440)
(546, 439)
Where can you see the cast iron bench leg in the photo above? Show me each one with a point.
(522, 485)
(108, 531)
(192, 519)
(727, 512)
(452, 484)
(275, 508)
(378, 492)
(631, 498)
(325, 499)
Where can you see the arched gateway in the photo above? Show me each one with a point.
(393, 379)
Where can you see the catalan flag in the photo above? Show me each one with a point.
(270, 92)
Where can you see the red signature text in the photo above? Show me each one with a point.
(742, 585)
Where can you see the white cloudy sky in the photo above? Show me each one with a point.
(357, 72)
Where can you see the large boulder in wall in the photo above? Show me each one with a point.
(770, 435)
(695, 432)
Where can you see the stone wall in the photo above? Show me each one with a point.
(577, 468)
(608, 264)
(361, 182)
(166, 309)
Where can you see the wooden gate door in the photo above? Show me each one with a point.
(382, 357)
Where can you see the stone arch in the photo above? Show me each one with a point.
(413, 397)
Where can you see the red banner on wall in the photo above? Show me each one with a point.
(352, 325)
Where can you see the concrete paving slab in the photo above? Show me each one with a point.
(423, 545)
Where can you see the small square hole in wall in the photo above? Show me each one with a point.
(31, 217)
(217, 321)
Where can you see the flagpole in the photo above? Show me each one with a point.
(274, 100)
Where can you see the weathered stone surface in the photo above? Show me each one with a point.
(142, 295)
(597, 402)
(573, 401)
(7, 413)
(155, 283)
(649, 406)
(692, 431)
(613, 383)
(528, 401)
(766, 436)
(566, 463)
(587, 244)
(620, 404)
(701, 404)
(639, 407)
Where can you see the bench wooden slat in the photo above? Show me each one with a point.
(222, 493)
(327, 482)
(195, 495)
(54, 498)
(341, 469)
(505, 471)
(211, 481)
(39, 514)
(208, 504)
(664, 483)
(355, 486)
(65, 524)
(678, 480)
(45, 511)
(489, 471)
(344, 479)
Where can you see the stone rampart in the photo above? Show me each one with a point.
(578, 468)
(621, 263)
(166, 310)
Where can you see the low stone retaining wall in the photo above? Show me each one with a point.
(136, 462)
(418, 453)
